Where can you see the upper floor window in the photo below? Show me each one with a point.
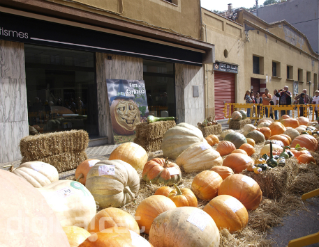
(258, 65)
(289, 72)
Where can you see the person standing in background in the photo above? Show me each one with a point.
(275, 99)
(258, 100)
(266, 100)
(315, 100)
(302, 100)
(284, 98)
(248, 100)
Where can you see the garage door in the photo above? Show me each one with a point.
(224, 91)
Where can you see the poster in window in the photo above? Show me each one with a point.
(296, 87)
(128, 107)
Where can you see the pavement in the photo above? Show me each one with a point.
(297, 224)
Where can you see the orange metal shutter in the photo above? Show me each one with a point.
(224, 91)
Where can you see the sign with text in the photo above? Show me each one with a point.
(226, 67)
(128, 107)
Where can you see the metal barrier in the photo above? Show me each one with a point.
(267, 111)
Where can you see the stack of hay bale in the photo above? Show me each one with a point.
(211, 130)
(150, 136)
(63, 150)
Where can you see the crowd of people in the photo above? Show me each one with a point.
(279, 97)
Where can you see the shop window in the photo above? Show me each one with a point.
(258, 65)
(61, 89)
(308, 76)
(300, 75)
(289, 72)
(275, 69)
(159, 80)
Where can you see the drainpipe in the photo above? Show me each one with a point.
(256, 7)
(206, 78)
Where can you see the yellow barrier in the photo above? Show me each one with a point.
(267, 110)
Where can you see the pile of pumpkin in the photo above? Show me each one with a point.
(207, 122)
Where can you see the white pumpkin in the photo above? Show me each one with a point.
(225, 133)
(179, 138)
(37, 173)
(72, 203)
(113, 183)
(199, 157)
(301, 128)
(248, 128)
(292, 133)
(264, 124)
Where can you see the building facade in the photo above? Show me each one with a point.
(55, 58)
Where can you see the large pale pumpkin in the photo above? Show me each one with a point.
(250, 150)
(179, 138)
(257, 136)
(305, 141)
(225, 147)
(161, 171)
(244, 188)
(236, 138)
(116, 237)
(212, 140)
(26, 217)
(223, 171)
(199, 157)
(303, 121)
(131, 153)
(83, 169)
(71, 201)
(277, 128)
(227, 212)
(266, 132)
(238, 162)
(112, 217)
(184, 226)
(248, 128)
(76, 235)
(37, 173)
(125, 116)
(150, 208)
(205, 184)
(290, 122)
(113, 183)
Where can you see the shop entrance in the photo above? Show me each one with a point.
(255, 86)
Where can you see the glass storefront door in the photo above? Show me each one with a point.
(61, 89)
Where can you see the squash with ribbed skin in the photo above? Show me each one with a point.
(131, 153)
(236, 138)
(236, 115)
(183, 197)
(177, 228)
(212, 140)
(277, 128)
(164, 191)
(83, 169)
(256, 136)
(306, 141)
(205, 184)
(243, 188)
(250, 150)
(179, 138)
(199, 157)
(69, 200)
(223, 171)
(228, 213)
(112, 217)
(37, 173)
(150, 208)
(266, 132)
(238, 162)
(113, 183)
(161, 171)
(76, 235)
(225, 147)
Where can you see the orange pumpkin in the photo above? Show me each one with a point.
(244, 188)
(239, 151)
(115, 237)
(112, 217)
(297, 153)
(131, 153)
(212, 140)
(250, 168)
(76, 235)
(183, 197)
(251, 141)
(303, 121)
(281, 138)
(266, 131)
(205, 184)
(83, 169)
(306, 158)
(161, 171)
(287, 136)
(227, 212)
(290, 122)
(238, 162)
(223, 171)
(225, 147)
(277, 128)
(250, 150)
(164, 191)
(285, 116)
(150, 208)
(306, 141)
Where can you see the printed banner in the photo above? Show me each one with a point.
(128, 107)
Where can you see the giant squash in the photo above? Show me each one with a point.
(113, 183)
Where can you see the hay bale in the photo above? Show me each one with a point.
(153, 131)
(149, 145)
(238, 124)
(274, 183)
(63, 162)
(304, 183)
(211, 130)
(44, 145)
